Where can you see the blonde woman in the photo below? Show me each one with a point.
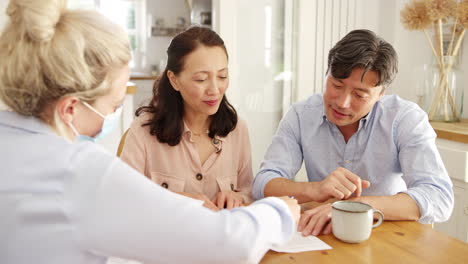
(63, 199)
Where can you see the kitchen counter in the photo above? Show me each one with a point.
(131, 88)
(142, 76)
(457, 131)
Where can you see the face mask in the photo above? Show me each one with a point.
(109, 123)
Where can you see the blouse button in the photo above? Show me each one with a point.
(199, 176)
(165, 185)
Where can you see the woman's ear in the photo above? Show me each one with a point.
(66, 108)
(173, 80)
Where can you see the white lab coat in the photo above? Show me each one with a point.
(70, 203)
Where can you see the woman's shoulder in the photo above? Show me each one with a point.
(140, 122)
(241, 124)
(241, 130)
(143, 118)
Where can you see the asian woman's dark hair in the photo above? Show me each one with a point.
(167, 106)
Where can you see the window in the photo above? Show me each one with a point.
(129, 14)
(85, 4)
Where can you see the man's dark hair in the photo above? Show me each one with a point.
(363, 49)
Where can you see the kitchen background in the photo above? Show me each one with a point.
(277, 51)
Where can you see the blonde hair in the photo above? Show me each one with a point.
(48, 52)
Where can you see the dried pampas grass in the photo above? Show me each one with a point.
(440, 9)
(414, 16)
(462, 13)
(458, 29)
(421, 15)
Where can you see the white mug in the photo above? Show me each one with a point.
(352, 222)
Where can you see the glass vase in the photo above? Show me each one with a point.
(443, 91)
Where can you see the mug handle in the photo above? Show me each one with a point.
(380, 218)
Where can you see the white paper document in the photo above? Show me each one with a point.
(299, 243)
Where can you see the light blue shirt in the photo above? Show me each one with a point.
(393, 148)
(63, 202)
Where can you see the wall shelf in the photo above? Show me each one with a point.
(165, 31)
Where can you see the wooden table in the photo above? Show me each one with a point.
(392, 242)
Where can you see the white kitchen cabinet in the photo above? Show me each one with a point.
(455, 157)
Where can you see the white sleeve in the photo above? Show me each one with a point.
(117, 212)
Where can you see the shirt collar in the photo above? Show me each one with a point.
(364, 122)
(324, 116)
(26, 123)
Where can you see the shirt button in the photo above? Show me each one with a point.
(199, 176)
(165, 185)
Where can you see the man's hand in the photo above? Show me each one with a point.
(316, 221)
(340, 184)
(228, 200)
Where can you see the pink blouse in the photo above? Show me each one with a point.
(179, 169)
